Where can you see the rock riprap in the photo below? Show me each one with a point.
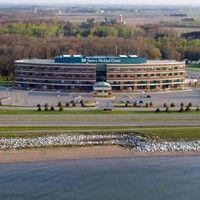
(131, 141)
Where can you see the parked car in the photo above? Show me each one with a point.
(148, 96)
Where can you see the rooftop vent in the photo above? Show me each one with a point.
(133, 56)
(123, 56)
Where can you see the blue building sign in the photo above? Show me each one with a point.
(78, 59)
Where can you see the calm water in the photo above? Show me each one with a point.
(103, 179)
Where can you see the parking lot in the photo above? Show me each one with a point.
(31, 98)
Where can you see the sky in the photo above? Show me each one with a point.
(150, 2)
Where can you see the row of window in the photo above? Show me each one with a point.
(56, 69)
(144, 75)
(144, 69)
(93, 69)
(69, 76)
(54, 81)
(145, 82)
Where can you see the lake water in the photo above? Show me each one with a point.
(165, 178)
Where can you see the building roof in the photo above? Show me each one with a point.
(53, 62)
(120, 59)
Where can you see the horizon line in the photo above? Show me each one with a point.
(99, 4)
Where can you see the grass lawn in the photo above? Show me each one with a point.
(168, 133)
(5, 81)
(4, 111)
(194, 67)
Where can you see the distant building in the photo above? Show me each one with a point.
(116, 73)
(188, 19)
(121, 19)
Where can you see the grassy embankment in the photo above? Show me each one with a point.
(194, 67)
(168, 133)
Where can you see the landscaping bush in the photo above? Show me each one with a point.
(0, 103)
(146, 105)
(182, 104)
(52, 108)
(181, 109)
(197, 109)
(166, 109)
(74, 104)
(172, 105)
(151, 104)
(135, 104)
(157, 110)
(39, 107)
(82, 103)
(107, 109)
(187, 109)
(164, 105)
(190, 104)
(59, 103)
(60, 108)
(46, 107)
(67, 104)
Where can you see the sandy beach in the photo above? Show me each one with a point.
(36, 155)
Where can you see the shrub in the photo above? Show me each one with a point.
(60, 108)
(187, 108)
(182, 104)
(146, 105)
(46, 107)
(74, 104)
(39, 107)
(135, 104)
(126, 104)
(190, 104)
(164, 105)
(157, 110)
(81, 101)
(172, 105)
(166, 109)
(181, 109)
(52, 108)
(0, 103)
(59, 104)
(197, 109)
(107, 109)
(82, 104)
(151, 104)
(67, 104)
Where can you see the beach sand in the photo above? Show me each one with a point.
(49, 154)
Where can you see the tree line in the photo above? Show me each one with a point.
(21, 40)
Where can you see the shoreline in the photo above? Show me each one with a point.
(77, 153)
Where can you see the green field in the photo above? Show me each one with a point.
(168, 133)
(194, 67)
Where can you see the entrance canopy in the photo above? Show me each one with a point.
(102, 86)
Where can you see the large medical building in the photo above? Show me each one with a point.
(82, 73)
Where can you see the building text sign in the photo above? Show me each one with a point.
(100, 60)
